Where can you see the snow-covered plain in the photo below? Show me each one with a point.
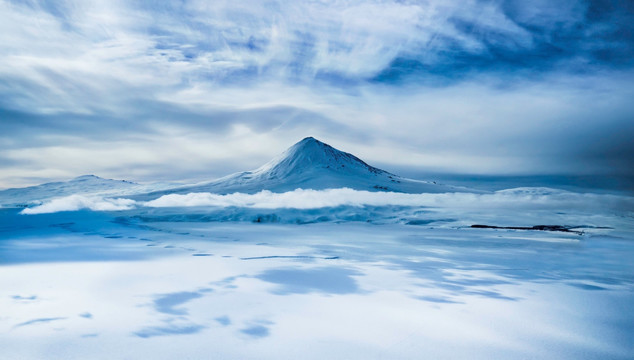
(315, 255)
(349, 281)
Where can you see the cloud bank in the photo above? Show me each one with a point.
(80, 202)
(300, 199)
(314, 199)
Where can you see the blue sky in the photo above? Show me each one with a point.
(193, 90)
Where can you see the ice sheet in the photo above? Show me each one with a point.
(160, 285)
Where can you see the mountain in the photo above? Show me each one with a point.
(309, 164)
(312, 164)
(82, 185)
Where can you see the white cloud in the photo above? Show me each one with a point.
(313, 199)
(304, 199)
(79, 202)
(84, 58)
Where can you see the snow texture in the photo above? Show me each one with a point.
(349, 290)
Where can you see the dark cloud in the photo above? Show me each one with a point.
(567, 36)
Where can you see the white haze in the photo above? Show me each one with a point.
(529, 198)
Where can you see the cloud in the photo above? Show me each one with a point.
(314, 199)
(82, 53)
(79, 202)
(173, 88)
(324, 200)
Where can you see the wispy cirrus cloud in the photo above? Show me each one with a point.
(176, 87)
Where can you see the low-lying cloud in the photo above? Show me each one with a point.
(313, 199)
(529, 198)
(79, 202)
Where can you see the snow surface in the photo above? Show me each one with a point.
(165, 283)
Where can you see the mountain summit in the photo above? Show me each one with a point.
(310, 155)
(312, 164)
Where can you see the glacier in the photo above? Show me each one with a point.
(305, 258)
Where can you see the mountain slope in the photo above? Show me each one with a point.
(312, 164)
(82, 185)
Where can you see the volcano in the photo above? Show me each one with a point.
(312, 164)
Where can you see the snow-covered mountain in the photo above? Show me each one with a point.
(312, 164)
(309, 164)
(82, 185)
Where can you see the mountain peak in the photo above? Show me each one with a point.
(86, 177)
(307, 143)
(311, 156)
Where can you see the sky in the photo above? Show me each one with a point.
(193, 90)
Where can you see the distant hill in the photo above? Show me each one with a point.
(84, 185)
